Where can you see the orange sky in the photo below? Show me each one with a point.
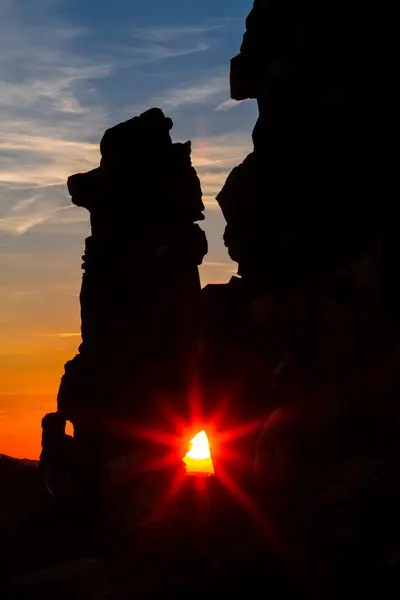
(40, 277)
(40, 334)
(67, 78)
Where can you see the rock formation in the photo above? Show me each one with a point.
(310, 201)
(140, 286)
(297, 206)
(310, 330)
(306, 336)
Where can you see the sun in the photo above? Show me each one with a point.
(198, 460)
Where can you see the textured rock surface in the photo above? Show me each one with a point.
(140, 286)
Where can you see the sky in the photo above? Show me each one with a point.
(68, 70)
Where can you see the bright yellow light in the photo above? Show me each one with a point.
(198, 459)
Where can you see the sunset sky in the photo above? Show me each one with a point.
(68, 70)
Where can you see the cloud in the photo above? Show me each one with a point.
(230, 267)
(52, 91)
(222, 151)
(160, 43)
(59, 335)
(29, 213)
(50, 112)
(39, 69)
(228, 104)
(217, 272)
(24, 215)
(163, 35)
(143, 46)
(46, 118)
(33, 187)
(214, 157)
(153, 53)
(36, 189)
(202, 91)
(43, 160)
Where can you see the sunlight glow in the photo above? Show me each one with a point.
(198, 460)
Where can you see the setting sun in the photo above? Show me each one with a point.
(198, 460)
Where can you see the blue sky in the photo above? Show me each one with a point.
(68, 70)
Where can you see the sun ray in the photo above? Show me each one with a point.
(160, 507)
(245, 502)
(158, 436)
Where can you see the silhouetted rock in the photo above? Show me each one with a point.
(313, 255)
(296, 207)
(297, 356)
(140, 288)
(309, 223)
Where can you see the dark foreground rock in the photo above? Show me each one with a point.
(140, 290)
(307, 337)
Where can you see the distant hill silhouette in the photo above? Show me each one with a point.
(20, 484)
(10, 461)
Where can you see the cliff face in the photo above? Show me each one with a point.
(297, 205)
(310, 223)
(307, 212)
(312, 328)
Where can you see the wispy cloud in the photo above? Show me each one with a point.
(214, 158)
(203, 90)
(228, 104)
(35, 188)
(160, 43)
(32, 183)
(43, 161)
(39, 69)
(61, 335)
(46, 120)
(50, 113)
(30, 213)
(52, 91)
(153, 53)
(220, 265)
(62, 85)
(217, 272)
(163, 35)
(224, 150)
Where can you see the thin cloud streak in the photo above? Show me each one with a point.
(139, 56)
(21, 218)
(43, 120)
(62, 86)
(44, 161)
(47, 138)
(54, 92)
(61, 335)
(158, 43)
(229, 104)
(225, 150)
(213, 158)
(161, 43)
(205, 90)
(46, 126)
(163, 35)
(219, 265)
